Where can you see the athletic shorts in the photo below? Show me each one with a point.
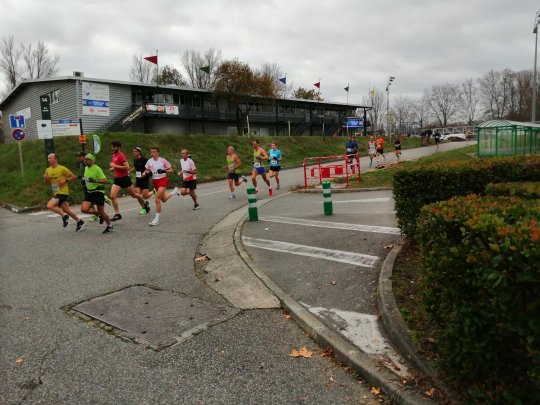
(123, 182)
(62, 198)
(380, 151)
(260, 170)
(97, 198)
(275, 168)
(142, 183)
(159, 183)
(233, 176)
(191, 184)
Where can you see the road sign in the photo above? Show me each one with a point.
(16, 121)
(44, 129)
(18, 134)
(65, 127)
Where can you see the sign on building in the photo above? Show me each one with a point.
(95, 99)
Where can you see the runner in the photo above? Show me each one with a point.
(437, 137)
(120, 166)
(372, 150)
(81, 155)
(233, 163)
(94, 179)
(379, 145)
(158, 167)
(141, 182)
(189, 178)
(397, 147)
(58, 177)
(259, 155)
(274, 154)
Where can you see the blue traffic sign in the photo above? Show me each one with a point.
(18, 134)
(17, 121)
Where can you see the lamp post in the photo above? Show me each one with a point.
(390, 80)
(535, 31)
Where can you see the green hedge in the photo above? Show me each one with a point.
(481, 285)
(525, 189)
(420, 185)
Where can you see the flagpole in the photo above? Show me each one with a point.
(157, 67)
(347, 93)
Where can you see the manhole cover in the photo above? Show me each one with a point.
(152, 316)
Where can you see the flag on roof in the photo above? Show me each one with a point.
(318, 85)
(205, 69)
(152, 59)
(346, 89)
(283, 80)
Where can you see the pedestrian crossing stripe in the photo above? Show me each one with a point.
(356, 259)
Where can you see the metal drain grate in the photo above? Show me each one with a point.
(158, 318)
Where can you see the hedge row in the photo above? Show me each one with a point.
(481, 284)
(526, 189)
(427, 184)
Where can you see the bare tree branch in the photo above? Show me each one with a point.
(9, 61)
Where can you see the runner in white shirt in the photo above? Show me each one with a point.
(189, 178)
(158, 167)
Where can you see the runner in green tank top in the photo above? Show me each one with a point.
(233, 163)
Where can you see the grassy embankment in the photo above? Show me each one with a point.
(208, 152)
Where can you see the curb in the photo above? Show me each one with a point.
(343, 350)
(342, 190)
(21, 210)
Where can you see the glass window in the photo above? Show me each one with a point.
(55, 96)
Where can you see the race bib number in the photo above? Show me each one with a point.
(55, 188)
(256, 165)
(231, 167)
(138, 175)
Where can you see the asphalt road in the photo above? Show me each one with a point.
(50, 356)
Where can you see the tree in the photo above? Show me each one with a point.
(421, 111)
(443, 100)
(468, 101)
(142, 71)
(170, 75)
(305, 94)
(239, 85)
(496, 88)
(193, 62)
(9, 60)
(38, 62)
(375, 99)
(402, 109)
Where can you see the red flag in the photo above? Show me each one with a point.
(152, 59)
(318, 85)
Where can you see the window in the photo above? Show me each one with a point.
(54, 96)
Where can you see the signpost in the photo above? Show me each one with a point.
(17, 121)
(44, 102)
(19, 135)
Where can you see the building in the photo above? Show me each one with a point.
(508, 138)
(100, 105)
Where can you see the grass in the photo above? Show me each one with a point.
(208, 151)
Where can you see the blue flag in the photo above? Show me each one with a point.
(283, 80)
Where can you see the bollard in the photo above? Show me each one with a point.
(327, 195)
(252, 204)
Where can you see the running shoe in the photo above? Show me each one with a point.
(232, 196)
(93, 218)
(270, 191)
(80, 225)
(244, 179)
(147, 207)
(101, 219)
(65, 220)
(256, 191)
(154, 222)
(142, 211)
(196, 207)
(109, 229)
(176, 191)
(154, 191)
(108, 200)
(116, 217)
(277, 187)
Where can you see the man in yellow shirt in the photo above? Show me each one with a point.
(58, 177)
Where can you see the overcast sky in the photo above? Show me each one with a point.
(339, 42)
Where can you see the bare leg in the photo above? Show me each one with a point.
(53, 206)
(66, 208)
(115, 189)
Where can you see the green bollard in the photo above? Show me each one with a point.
(252, 204)
(327, 195)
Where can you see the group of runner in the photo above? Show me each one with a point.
(93, 180)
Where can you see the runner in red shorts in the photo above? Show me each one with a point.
(158, 167)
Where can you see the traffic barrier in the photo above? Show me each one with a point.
(327, 167)
(252, 204)
(327, 196)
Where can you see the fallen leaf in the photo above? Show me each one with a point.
(327, 352)
(201, 258)
(430, 392)
(404, 382)
(27, 318)
(19, 361)
(333, 282)
(375, 391)
(430, 339)
(303, 352)
(389, 246)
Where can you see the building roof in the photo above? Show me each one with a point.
(500, 123)
(25, 83)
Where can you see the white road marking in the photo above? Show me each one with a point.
(38, 213)
(356, 259)
(363, 331)
(363, 200)
(332, 225)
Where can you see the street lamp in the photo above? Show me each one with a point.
(390, 80)
(535, 31)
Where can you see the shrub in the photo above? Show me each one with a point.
(524, 189)
(414, 187)
(481, 283)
